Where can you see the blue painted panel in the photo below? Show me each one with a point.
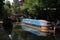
(35, 22)
(26, 20)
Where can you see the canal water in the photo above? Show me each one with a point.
(30, 36)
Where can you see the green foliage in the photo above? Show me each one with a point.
(35, 8)
(7, 8)
(32, 6)
(16, 7)
(50, 3)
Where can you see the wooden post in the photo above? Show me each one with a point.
(54, 30)
(1, 22)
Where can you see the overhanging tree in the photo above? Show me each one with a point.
(16, 7)
(32, 7)
(42, 9)
(1, 8)
(7, 9)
